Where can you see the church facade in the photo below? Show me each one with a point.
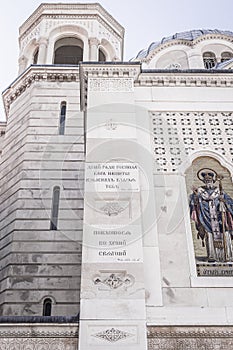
(116, 188)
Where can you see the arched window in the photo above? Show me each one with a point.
(62, 120)
(102, 57)
(47, 307)
(209, 59)
(35, 56)
(68, 51)
(226, 56)
(55, 208)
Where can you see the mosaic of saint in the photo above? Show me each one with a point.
(211, 212)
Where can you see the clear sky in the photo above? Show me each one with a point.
(144, 21)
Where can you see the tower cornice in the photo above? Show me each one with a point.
(60, 10)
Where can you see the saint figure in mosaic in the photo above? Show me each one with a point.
(212, 211)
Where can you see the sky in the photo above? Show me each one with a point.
(144, 21)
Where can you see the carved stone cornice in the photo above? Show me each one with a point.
(112, 70)
(189, 332)
(38, 330)
(171, 78)
(36, 74)
(61, 11)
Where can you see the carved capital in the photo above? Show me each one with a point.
(94, 42)
(43, 41)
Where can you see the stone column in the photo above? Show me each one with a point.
(113, 313)
(93, 43)
(43, 43)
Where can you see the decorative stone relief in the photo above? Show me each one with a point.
(38, 344)
(111, 85)
(34, 34)
(112, 208)
(50, 24)
(114, 280)
(113, 335)
(110, 125)
(25, 331)
(193, 338)
(174, 66)
(185, 132)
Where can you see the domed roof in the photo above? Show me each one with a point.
(188, 35)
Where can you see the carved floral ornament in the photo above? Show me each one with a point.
(114, 280)
(113, 335)
(111, 125)
(111, 85)
(112, 209)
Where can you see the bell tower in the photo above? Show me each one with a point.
(42, 163)
(68, 34)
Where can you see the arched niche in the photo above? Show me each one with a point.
(183, 168)
(28, 55)
(101, 55)
(108, 50)
(170, 58)
(35, 56)
(226, 56)
(68, 50)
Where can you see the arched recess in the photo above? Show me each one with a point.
(108, 50)
(68, 50)
(210, 193)
(174, 58)
(35, 56)
(174, 55)
(226, 56)
(67, 31)
(28, 55)
(205, 153)
(102, 55)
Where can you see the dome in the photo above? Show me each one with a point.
(187, 35)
